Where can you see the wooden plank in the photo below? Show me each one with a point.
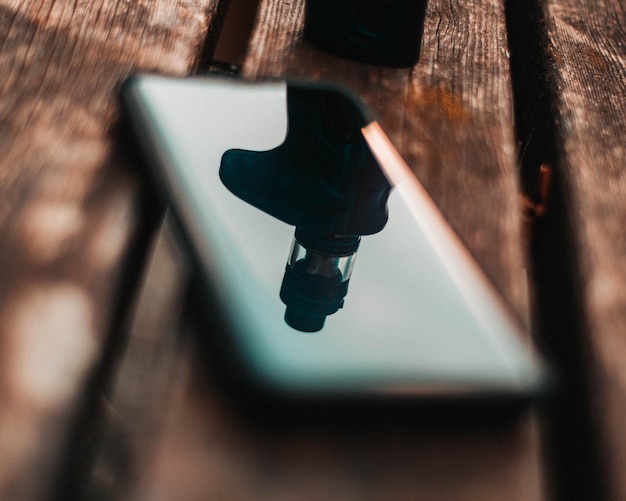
(587, 69)
(451, 116)
(71, 207)
(146, 383)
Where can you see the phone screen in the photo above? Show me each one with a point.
(334, 274)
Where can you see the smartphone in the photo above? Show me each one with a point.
(329, 277)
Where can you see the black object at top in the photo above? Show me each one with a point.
(383, 32)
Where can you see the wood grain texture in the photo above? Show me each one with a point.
(147, 376)
(450, 116)
(68, 205)
(587, 47)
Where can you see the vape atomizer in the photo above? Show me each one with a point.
(316, 277)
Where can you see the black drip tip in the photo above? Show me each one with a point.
(304, 322)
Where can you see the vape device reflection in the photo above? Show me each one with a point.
(384, 32)
(316, 277)
(324, 181)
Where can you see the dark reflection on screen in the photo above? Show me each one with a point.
(324, 181)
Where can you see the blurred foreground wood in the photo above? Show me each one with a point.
(71, 212)
(581, 255)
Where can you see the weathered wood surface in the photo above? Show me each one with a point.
(70, 207)
(451, 116)
(146, 387)
(586, 48)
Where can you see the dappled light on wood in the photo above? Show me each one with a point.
(48, 229)
(70, 206)
(51, 343)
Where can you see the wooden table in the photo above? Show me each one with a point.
(514, 119)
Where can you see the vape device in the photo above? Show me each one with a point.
(383, 32)
(324, 181)
(329, 278)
